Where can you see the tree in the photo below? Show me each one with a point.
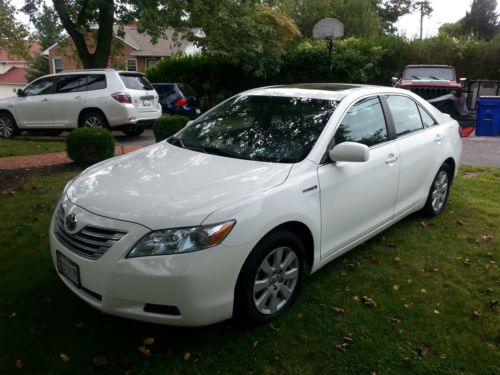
(425, 10)
(482, 19)
(14, 36)
(390, 11)
(48, 31)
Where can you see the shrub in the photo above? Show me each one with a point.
(166, 126)
(89, 145)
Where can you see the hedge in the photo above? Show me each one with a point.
(90, 145)
(167, 126)
(371, 61)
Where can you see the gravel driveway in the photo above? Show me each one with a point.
(481, 151)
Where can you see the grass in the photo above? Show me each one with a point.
(13, 147)
(427, 278)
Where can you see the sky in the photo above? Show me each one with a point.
(445, 11)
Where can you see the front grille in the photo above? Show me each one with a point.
(90, 242)
(431, 92)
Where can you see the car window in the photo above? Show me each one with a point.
(41, 87)
(136, 82)
(426, 118)
(96, 82)
(405, 114)
(263, 128)
(186, 90)
(363, 123)
(70, 83)
(165, 89)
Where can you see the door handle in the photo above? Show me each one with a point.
(78, 97)
(45, 100)
(438, 138)
(391, 159)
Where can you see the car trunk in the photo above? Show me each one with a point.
(143, 95)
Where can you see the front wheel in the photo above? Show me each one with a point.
(8, 127)
(438, 194)
(271, 278)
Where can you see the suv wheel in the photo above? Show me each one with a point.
(271, 278)
(8, 127)
(93, 120)
(438, 194)
(133, 130)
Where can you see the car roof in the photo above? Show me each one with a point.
(428, 66)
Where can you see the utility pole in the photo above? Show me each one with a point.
(421, 20)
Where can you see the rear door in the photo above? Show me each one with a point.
(144, 96)
(68, 100)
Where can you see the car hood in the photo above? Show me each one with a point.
(164, 186)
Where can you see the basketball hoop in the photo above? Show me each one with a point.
(328, 29)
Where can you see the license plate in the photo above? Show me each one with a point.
(198, 111)
(68, 269)
(146, 103)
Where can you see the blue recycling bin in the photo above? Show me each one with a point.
(488, 116)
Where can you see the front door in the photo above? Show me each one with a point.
(357, 198)
(33, 109)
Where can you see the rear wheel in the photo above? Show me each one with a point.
(93, 119)
(271, 278)
(8, 127)
(438, 194)
(133, 130)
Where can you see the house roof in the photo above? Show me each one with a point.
(172, 43)
(14, 75)
(6, 57)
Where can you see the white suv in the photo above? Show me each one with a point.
(101, 98)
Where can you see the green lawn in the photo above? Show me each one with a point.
(13, 147)
(427, 278)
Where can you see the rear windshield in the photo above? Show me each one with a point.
(186, 90)
(136, 82)
(163, 89)
(436, 73)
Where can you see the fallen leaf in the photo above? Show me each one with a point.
(338, 310)
(423, 224)
(443, 356)
(342, 346)
(12, 315)
(467, 262)
(343, 273)
(187, 356)
(255, 343)
(423, 291)
(436, 312)
(476, 313)
(273, 327)
(100, 361)
(395, 320)
(459, 222)
(144, 351)
(368, 301)
(300, 315)
(390, 244)
(493, 303)
(64, 357)
(397, 258)
(424, 350)
(149, 341)
(19, 364)
(356, 298)
(487, 237)
(395, 287)
(348, 339)
(373, 260)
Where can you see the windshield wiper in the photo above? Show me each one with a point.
(221, 152)
(416, 77)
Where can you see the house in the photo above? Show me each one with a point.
(136, 52)
(12, 71)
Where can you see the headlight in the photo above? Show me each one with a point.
(181, 240)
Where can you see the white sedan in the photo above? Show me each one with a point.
(229, 215)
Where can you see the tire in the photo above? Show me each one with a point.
(133, 130)
(53, 132)
(439, 192)
(8, 126)
(263, 291)
(93, 119)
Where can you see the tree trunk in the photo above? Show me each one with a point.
(100, 57)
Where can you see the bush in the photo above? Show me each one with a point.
(90, 145)
(166, 126)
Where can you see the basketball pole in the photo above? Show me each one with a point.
(329, 42)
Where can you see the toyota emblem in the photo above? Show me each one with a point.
(71, 222)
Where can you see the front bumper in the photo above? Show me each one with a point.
(196, 289)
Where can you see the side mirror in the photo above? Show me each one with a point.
(20, 92)
(349, 151)
(189, 122)
(394, 81)
(462, 81)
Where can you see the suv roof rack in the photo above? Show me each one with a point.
(86, 70)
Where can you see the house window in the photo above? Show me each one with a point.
(150, 62)
(131, 65)
(57, 64)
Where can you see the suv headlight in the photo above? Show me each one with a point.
(181, 240)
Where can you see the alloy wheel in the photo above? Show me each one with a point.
(6, 126)
(93, 122)
(440, 191)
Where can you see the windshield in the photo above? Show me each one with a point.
(263, 128)
(430, 73)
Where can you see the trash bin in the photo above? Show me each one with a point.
(488, 116)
